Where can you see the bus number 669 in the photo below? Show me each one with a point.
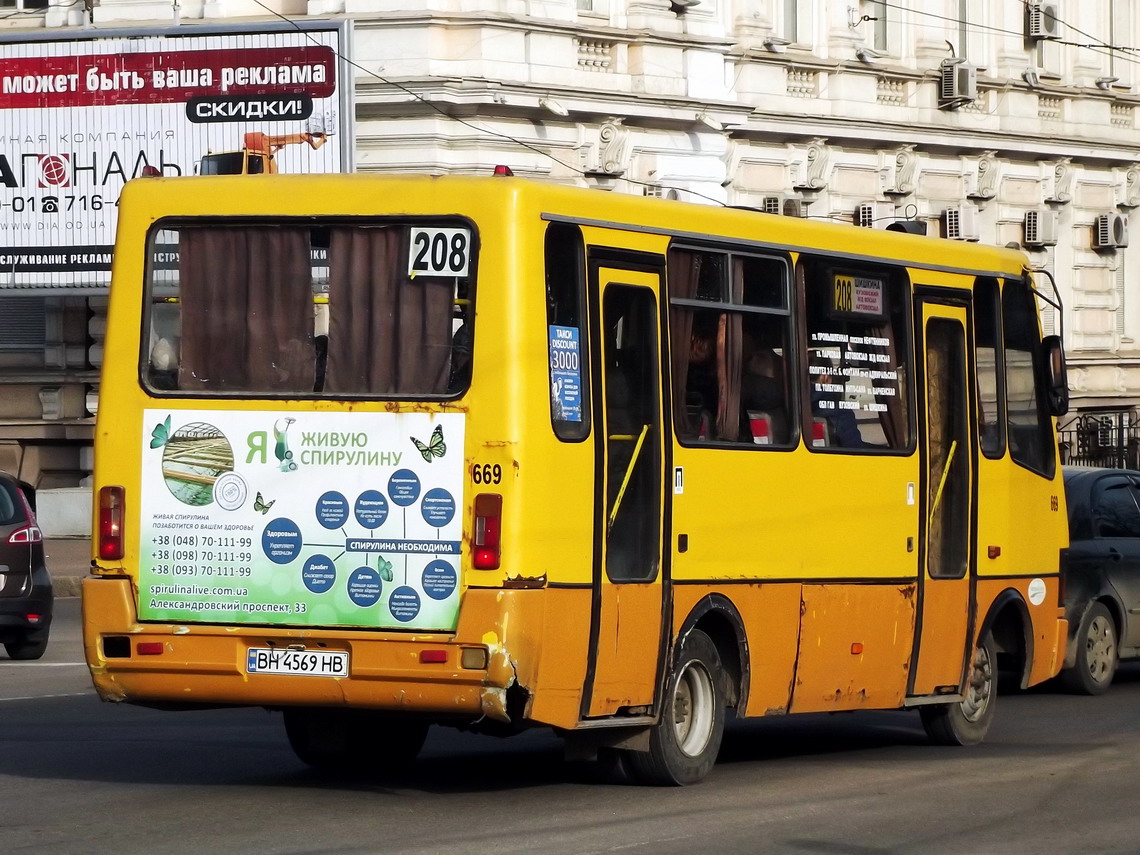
(486, 473)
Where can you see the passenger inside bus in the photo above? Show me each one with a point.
(842, 426)
(763, 386)
(759, 384)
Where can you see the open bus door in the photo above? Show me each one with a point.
(947, 577)
(629, 599)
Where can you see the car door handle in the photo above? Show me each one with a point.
(1114, 554)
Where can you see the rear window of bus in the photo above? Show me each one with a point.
(377, 308)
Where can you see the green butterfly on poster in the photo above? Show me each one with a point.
(259, 504)
(385, 568)
(161, 434)
(435, 446)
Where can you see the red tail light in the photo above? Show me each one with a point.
(111, 523)
(488, 531)
(30, 533)
(27, 534)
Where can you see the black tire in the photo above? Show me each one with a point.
(967, 721)
(1097, 653)
(26, 648)
(353, 741)
(683, 746)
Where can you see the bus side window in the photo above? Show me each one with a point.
(857, 363)
(729, 322)
(566, 332)
(1028, 424)
(987, 334)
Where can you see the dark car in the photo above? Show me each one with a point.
(1101, 575)
(25, 586)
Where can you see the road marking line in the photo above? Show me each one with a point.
(42, 697)
(18, 664)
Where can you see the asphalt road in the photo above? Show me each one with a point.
(1058, 774)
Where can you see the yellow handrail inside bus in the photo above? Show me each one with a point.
(942, 481)
(628, 471)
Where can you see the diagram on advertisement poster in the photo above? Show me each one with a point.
(381, 549)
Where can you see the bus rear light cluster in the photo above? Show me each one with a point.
(485, 553)
(111, 523)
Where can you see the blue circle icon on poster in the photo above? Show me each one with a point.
(439, 580)
(281, 540)
(332, 509)
(319, 573)
(404, 487)
(371, 509)
(404, 604)
(364, 586)
(438, 507)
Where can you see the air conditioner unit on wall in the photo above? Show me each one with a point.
(959, 84)
(873, 215)
(960, 222)
(1040, 227)
(1110, 231)
(1042, 21)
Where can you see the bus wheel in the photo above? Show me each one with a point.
(1095, 667)
(966, 722)
(684, 744)
(358, 741)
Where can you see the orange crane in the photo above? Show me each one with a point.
(257, 153)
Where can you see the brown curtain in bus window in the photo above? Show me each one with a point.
(246, 306)
(388, 334)
(684, 271)
(893, 419)
(730, 361)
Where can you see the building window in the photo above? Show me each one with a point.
(24, 5)
(790, 29)
(877, 9)
(1120, 35)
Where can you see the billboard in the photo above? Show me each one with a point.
(80, 118)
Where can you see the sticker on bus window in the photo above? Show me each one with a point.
(858, 297)
(439, 252)
(565, 374)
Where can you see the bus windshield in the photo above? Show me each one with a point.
(344, 309)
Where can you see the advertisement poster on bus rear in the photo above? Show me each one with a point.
(80, 118)
(295, 518)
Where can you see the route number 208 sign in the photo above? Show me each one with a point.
(439, 252)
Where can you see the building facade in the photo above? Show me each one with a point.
(1005, 122)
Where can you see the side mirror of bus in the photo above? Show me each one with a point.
(1056, 376)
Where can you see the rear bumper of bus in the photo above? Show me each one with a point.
(191, 665)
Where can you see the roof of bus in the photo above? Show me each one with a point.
(356, 194)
